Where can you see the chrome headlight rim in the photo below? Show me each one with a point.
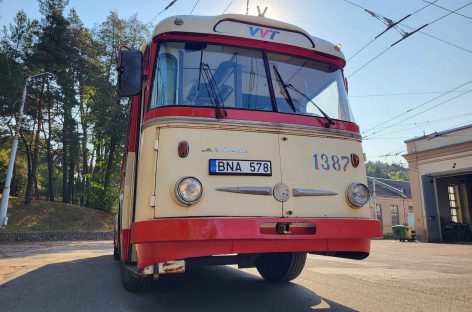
(179, 196)
(351, 195)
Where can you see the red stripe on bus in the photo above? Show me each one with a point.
(252, 43)
(247, 228)
(240, 114)
(133, 126)
(171, 239)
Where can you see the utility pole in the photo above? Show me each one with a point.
(375, 198)
(11, 164)
(247, 7)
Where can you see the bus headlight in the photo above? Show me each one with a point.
(188, 190)
(357, 194)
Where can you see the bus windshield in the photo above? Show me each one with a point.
(201, 74)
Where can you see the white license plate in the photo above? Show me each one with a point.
(240, 167)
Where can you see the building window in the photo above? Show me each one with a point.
(453, 204)
(394, 214)
(378, 211)
(411, 217)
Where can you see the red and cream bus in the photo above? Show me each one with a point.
(242, 149)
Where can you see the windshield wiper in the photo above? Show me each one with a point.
(289, 98)
(329, 119)
(213, 91)
(282, 84)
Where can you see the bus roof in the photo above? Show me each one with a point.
(246, 26)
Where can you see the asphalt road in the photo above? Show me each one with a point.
(82, 276)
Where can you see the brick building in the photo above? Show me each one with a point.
(393, 203)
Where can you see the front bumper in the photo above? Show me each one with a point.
(163, 240)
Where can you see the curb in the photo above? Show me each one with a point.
(54, 236)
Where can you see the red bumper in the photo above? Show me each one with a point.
(170, 239)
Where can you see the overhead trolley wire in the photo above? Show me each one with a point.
(439, 39)
(370, 61)
(404, 36)
(165, 9)
(387, 21)
(429, 136)
(399, 150)
(450, 12)
(196, 3)
(418, 106)
(446, 9)
(418, 124)
(421, 9)
(428, 109)
(401, 93)
(422, 112)
(361, 49)
(229, 4)
(421, 32)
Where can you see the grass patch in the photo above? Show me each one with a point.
(44, 216)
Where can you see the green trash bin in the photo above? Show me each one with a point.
(403, 233)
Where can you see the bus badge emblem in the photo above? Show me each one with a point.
(281, 192)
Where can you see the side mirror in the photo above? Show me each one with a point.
(130, 72)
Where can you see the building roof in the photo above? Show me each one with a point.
(387, 187)
(441, 133)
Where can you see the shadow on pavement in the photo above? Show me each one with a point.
(94, 284)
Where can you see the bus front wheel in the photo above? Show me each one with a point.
(116, 253)
(131, 281)
(116, 244)
(281, 266)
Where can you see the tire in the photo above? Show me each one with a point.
(133, 282)
(116, 251)
(281, 267)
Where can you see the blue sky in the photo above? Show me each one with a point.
(419, 64)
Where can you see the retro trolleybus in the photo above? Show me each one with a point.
(242, 149)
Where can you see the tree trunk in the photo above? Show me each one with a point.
(36, 189)
(65, 197)
(109, 168)
(49, 157)
(70, 184)
(84, 124)
(34, 159)
(28, 152)
(34, 165)
(91, 169)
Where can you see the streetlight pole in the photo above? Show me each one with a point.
(11, 164)
(375, 199)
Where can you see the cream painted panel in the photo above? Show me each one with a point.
(146, 174)
(446, 163)
(298, 171)
(128, 188)
(170, 167)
